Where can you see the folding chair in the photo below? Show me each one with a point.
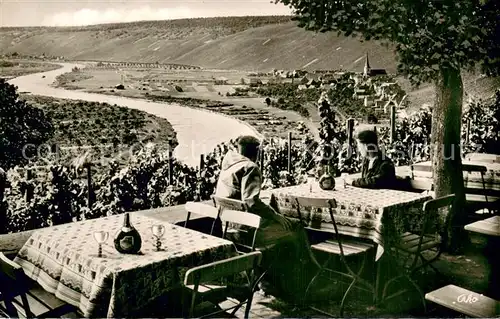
(475, 196)
(197, 279)
(341, 247)
(235, 219)
(202, 210)
(21, 297)
(414, 245)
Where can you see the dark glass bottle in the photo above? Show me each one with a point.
(327, 180)
(127, 239)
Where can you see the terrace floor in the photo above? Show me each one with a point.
(469, 270)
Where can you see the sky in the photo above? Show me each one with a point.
(85, 12)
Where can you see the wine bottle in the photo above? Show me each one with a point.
(327, 181)
(127, 239)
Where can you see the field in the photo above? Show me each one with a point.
(81, 126)
(14, 68)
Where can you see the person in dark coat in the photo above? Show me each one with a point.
(377, 170)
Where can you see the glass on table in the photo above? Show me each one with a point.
(100, 237)
(158, 230)
(344, 177)
(311, 181)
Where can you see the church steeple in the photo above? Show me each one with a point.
(366, 70)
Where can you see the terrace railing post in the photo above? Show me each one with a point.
(3, 184)
(89, 185)
(350, 136)
(202, 162)
(170, 164)
(290, 152)
(29, 187)
(393, 123)
(262, 161)
(467, 132)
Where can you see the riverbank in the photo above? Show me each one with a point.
(12, 68)
(198, 131)
(197, 89)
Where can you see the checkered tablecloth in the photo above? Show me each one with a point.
(380, 215)
(63, 260)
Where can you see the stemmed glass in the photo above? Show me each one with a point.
(344, 177)
(100, 237)
(158, 231)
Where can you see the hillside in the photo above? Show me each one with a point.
(244, 43)
(237, 43)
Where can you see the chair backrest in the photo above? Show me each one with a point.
(440, 202)
(318, 203)
(315, 202)
(202, 209)
(223, 268)
(241, 218)
(228, 203)
(474, 168)
(13, 283)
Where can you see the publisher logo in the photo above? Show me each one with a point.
(470, 298)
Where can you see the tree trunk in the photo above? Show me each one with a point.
(446, 154)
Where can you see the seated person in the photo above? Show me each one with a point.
(377, 170)
(291, 264)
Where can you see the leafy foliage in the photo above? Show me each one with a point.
(20, 124)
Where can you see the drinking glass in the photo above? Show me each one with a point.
(311, 180)
(344, 177)
(100, 237)
(158, 231)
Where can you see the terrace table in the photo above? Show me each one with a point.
(381, 215)
(472, 179)
(491, 229)
(63, 260)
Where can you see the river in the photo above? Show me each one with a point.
(198, 131)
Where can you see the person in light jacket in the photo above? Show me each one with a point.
(377, 170)
(290, 263)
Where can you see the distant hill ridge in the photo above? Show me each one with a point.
(244, 43)
(238, 43)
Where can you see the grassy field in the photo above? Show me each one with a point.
(82, 125)
(14, 68)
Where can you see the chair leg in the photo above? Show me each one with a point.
(249, 305)
(191, 308)
(322, 267)
(420, 292)
(342, 304)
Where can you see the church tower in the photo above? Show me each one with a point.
(367, 69)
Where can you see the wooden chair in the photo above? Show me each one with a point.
(196, 280)
(240, 218)
(465, 301)
(413, 246)
(234, 214)
(202, 210)
(478, 198)
(228, 203)
(21, 297)
(341, 247)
